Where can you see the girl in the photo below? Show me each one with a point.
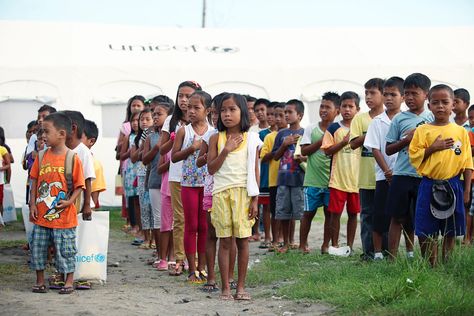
(186, 148)
(146, 218)
(151, 158)
(170, 127)
(129, 173)
(233, 160)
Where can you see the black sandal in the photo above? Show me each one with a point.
(39, 289)
(66, 290)
(210, 288)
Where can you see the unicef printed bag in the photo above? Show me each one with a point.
(92, 241)
(9, 211)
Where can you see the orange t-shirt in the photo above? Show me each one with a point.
(52, 187)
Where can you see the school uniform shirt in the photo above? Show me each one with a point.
(359, 126)
(85, 155)
(273, 165)
(289, 171)
(401, 124)
(264, 166)
(443, 164)
(176, 168)
(318, 166)
(375, 139)
(52, 187)
(344, 166)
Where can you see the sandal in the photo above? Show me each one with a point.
(66, 290)
(210, 288)
(39, 289)
(294, 246)
(193, 278)
(242, 296)
(82, 285)
(226, 297)
(178, 269)
(265, 245)
(56, 285)
(233, 285)
(203, 275)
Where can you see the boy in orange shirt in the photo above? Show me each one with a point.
(52, 204)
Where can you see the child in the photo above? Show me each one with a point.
(316, 179)
(251, 107)
(52, 206)
(4, 166)
(73, 141)
(186, 148)
(91, 133)
(344, 175)
(440, 152)
(359, 126)
(151, 158)
(233, 160)
(43, 111)
(405, 180)
(470, 207)
(148, 220)
(266, 155)
(289, 197)
(375, 142)
(461, 103)
(170, 127)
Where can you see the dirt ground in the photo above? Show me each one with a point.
(133, 287)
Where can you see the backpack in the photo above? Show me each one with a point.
(68, 167)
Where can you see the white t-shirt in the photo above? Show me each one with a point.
(176, 169)
(85, 155)
(376, 138)
(31, 144)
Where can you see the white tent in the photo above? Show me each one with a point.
(96, 68)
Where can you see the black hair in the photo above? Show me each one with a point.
(60, 121)
(417, 80)
(471, 107)
(177, 112)
(333, 97)
(217, 100)
(462, 94)
(2, 136)
(279, 105)
(395, 82)
(351, 95)
(140, 130)
(262, 101)
(241, 102)
(31, 124)
(77, 119)
(439, 87)
(205, 99)
(249, 98)
(91, 130)
(129, 106)
(375, 83)
(47, 108)
(166, 105)
(299, 106)
(272, 104)
(162, 99)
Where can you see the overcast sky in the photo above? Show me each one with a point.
(246, 13)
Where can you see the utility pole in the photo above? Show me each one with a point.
(203, 25)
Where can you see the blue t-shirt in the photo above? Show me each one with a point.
(402, 123)
(264, 166)
(289, 172)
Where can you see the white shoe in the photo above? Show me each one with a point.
(344, 251)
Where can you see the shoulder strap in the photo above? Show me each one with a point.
(68, 170)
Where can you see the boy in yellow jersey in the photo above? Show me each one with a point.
(441, 152)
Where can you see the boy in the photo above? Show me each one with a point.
(375, 142)
(289, 197)
(4, 166)
(316, 179)
(470, 206)
(251, 107)
(344, 176)
(266, 155)
(359, 126)
(73, 142)
(461, 103)
(91, 133)
(52, 204)
(440, 152)
(43, 111)
(403, 189)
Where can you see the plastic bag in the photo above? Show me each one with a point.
(25, 211)
(9, 212)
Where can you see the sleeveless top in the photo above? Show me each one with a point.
(191, 175)
(154, 179)
(233, 172)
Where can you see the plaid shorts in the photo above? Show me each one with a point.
(64, 241)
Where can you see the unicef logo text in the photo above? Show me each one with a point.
(100, 257)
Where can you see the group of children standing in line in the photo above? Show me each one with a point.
(198, 170)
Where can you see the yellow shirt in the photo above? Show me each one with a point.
(267, 147)
(3, 152)
(444, 164)
(98, 184)
(359, 127)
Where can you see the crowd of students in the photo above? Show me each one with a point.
(205, 169)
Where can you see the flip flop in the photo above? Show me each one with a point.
(56, 285)
(66, 290)
(210, 288)
(243, 296)
(82, 285)
(226, 297)
(39, 289)
(178, 269)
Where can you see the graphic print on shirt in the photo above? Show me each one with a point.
(50, 194)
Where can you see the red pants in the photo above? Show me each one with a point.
(195, 219)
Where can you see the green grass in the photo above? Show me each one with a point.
(9, 269)
(376, 288)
